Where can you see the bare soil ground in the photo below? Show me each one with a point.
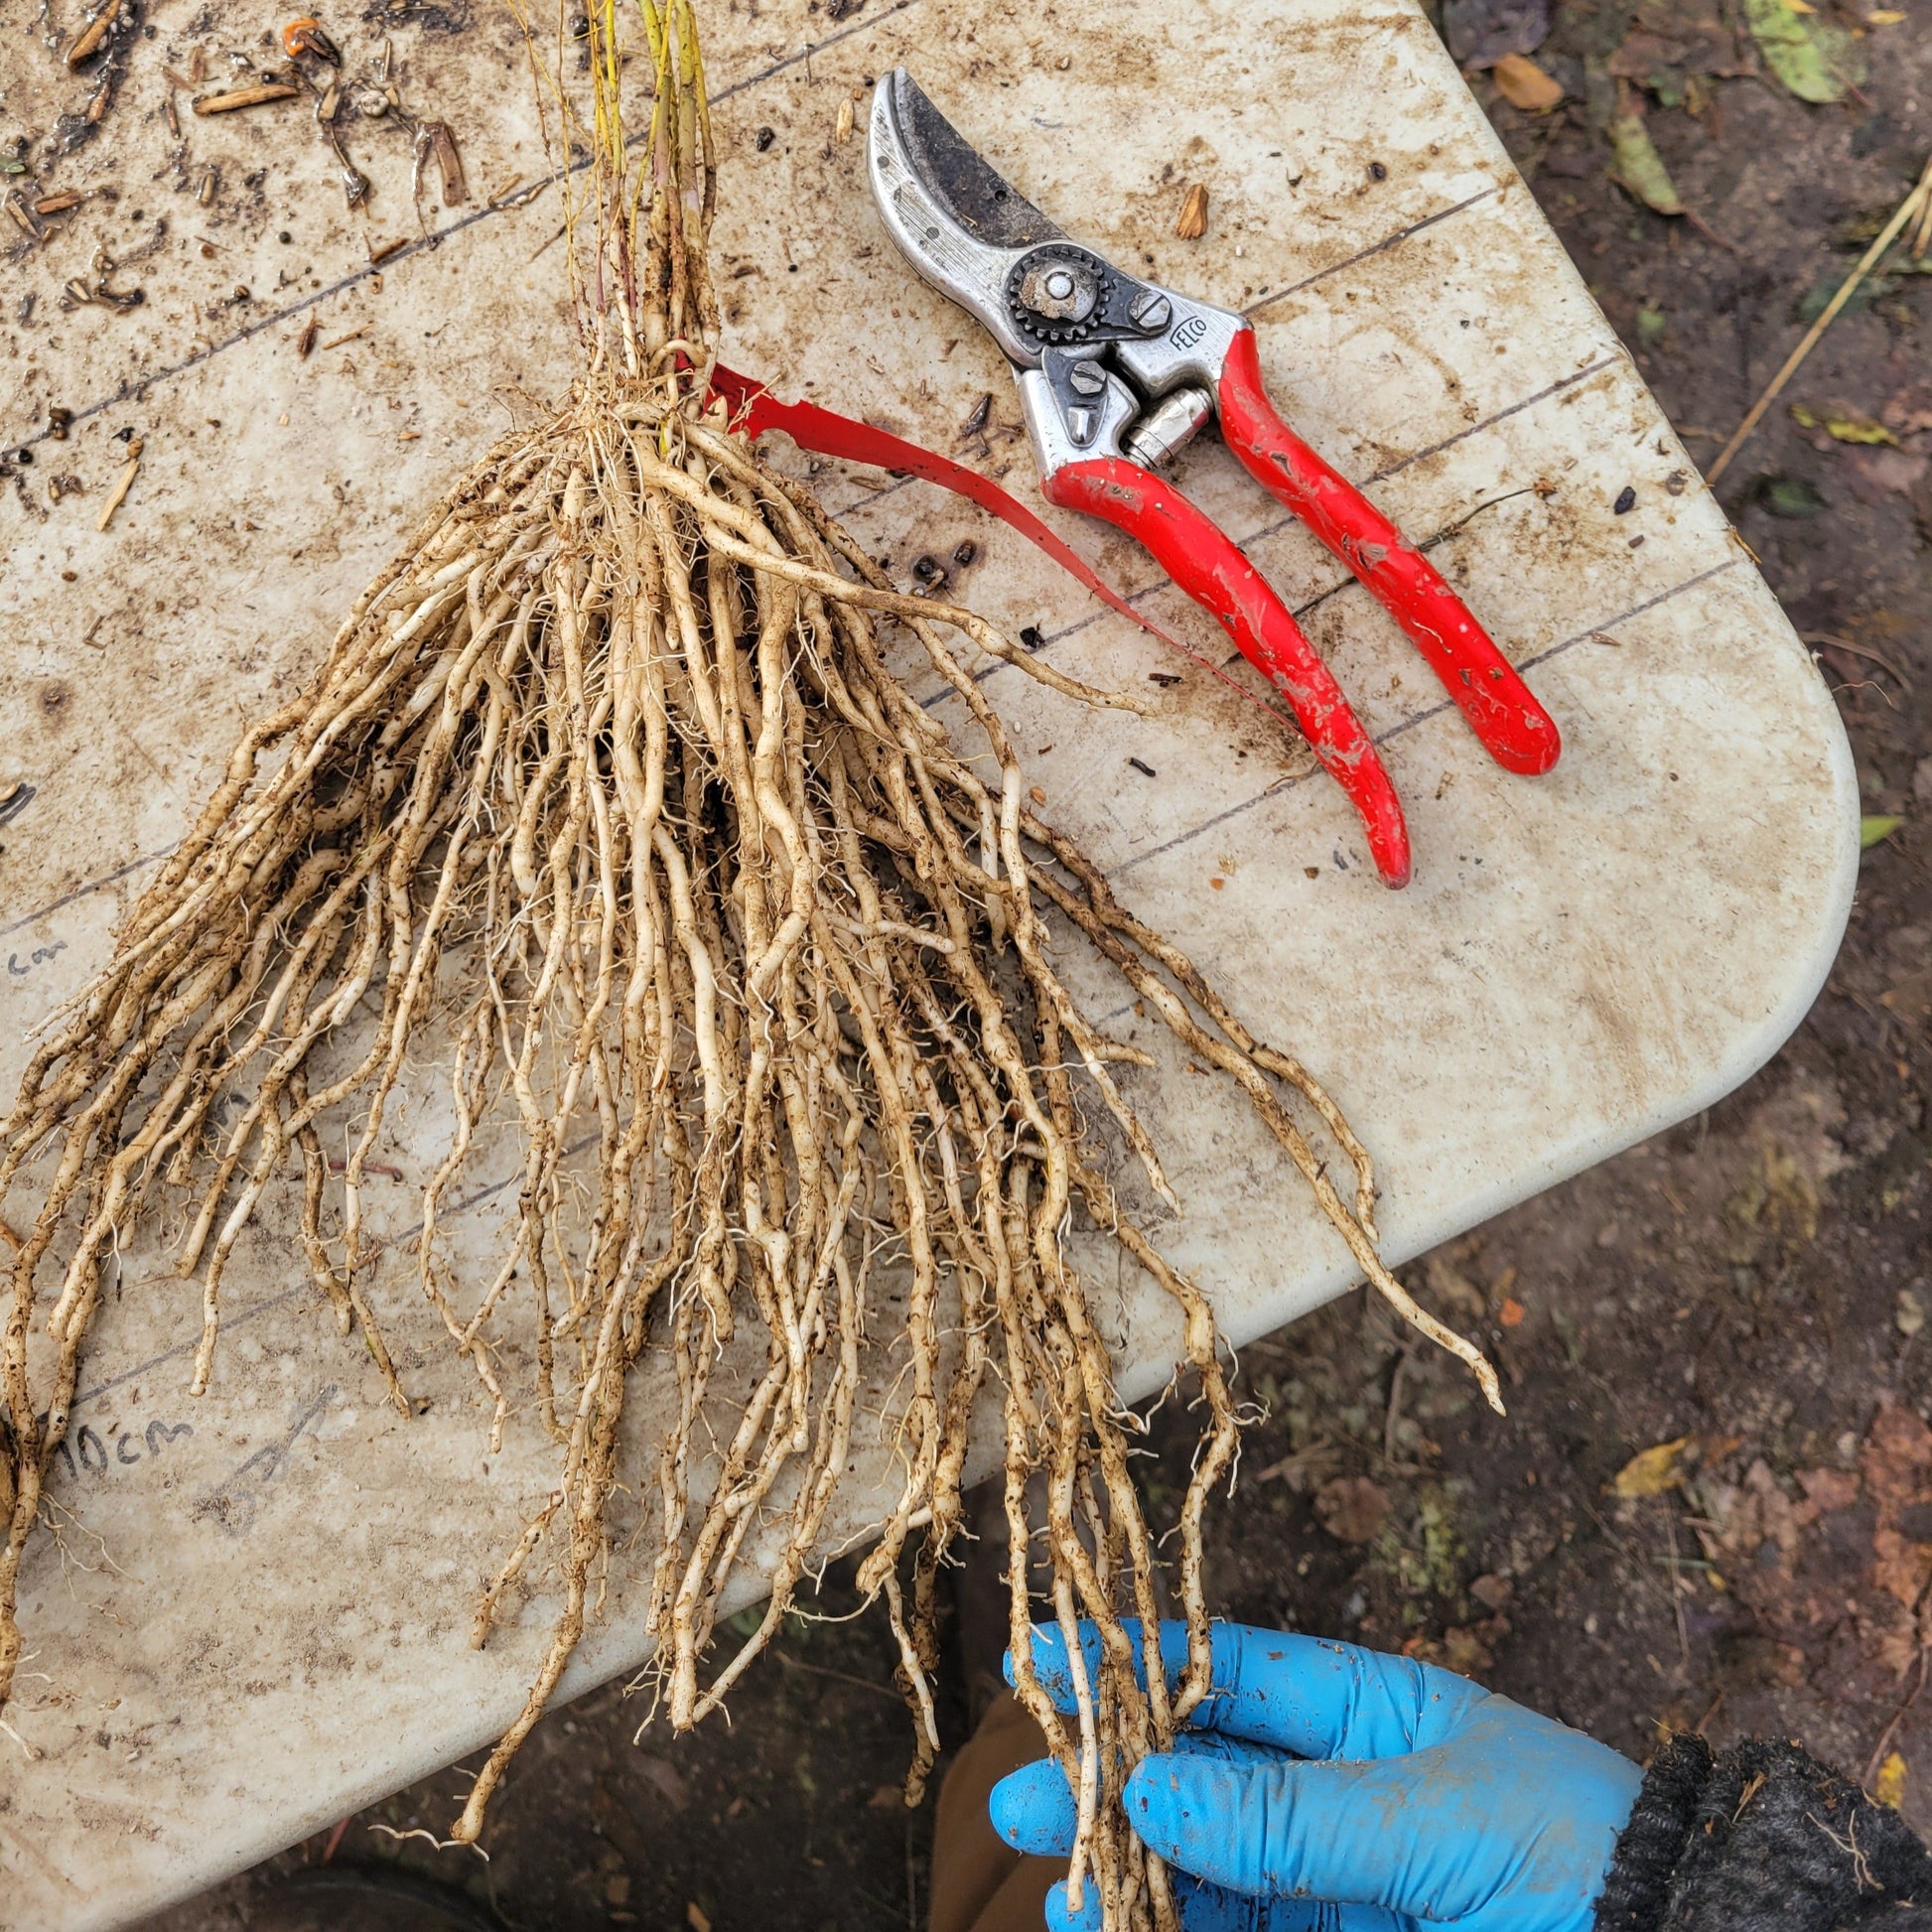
(1751, 1287)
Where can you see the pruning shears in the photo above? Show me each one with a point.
(1116, 374)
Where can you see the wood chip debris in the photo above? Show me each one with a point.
(1191, 222)
(305, 36)
(449, 163)
(90, 37)
(256, 96)
(306, 342)
(122, 484)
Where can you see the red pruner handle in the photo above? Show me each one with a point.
(1205, 564)
(1519, 734)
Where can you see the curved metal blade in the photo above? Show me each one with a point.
(954, 220)
(959, 179)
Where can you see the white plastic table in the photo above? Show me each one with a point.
(257, 1616)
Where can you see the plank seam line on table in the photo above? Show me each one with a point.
(288, 1295)
(1260, 303)
(231, 1321)
(137, 389)
(81, 892)
(1394, 469)
(1281, 523)
(1410, 723)
(1055, 638)
(1280, 295)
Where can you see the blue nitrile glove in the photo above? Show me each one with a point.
(1324, 1788)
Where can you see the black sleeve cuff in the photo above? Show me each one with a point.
(1654, 1842)
(1764, 1838)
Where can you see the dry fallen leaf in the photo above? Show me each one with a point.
(1894, 1458)
(1524, 84)
(1843, 425)
(1652, 1471)
(1753, 1526)
(1450, 1288)
(1352, 1508)
(1815, 59)
(1191, 222)
(1465, 1652)
(1825, 1489)
(1639, 169)
(664, 1778)
(1909, 411)
(1493, 1592)
(1895, 1461)
(1760, 1663)
(1875, 474)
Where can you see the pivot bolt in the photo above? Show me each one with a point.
(1151, 311)
(1086, 379)
(1061, 291)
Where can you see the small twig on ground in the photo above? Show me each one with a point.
(1858, 650)
(1898, 1717)
(1629, 1555)
(839, 1676)
(1320, 1450)
(1676, 1593)
(1913, 207)
(1394, 1414)
(1709, 233)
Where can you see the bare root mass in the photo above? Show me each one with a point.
(605, 790)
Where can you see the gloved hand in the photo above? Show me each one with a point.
(1324, 1788)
